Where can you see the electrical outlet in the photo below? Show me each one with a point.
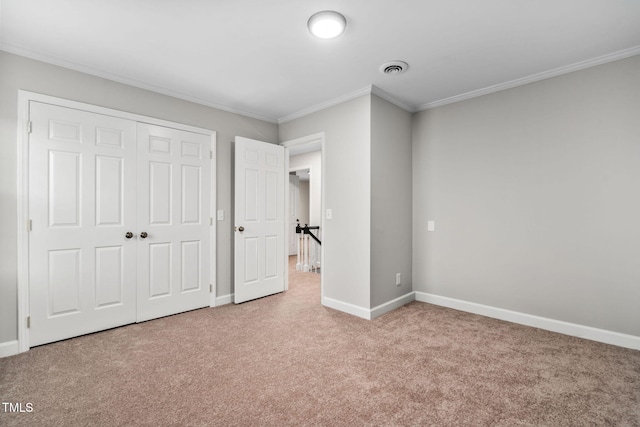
(398, 279)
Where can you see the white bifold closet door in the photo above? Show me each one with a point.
(96, 183)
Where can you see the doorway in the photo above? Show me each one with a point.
(305, 201)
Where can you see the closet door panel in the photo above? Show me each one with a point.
(174, 176)
(82, 202)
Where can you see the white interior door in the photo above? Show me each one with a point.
(82, 202)
(294, 201)
(260, 221)
(174, 176)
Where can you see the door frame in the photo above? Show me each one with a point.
(288, 173)
(315, 140)
(24, 97)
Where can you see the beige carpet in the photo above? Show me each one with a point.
(285, 360)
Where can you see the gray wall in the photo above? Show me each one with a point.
(536, 196)
(347, 190)
(22, 73)
(534, 191)
(391, 194)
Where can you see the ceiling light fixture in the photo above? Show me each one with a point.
(327, 24)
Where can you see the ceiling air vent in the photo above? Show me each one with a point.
(394, 67)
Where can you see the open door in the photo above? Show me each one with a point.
(260, 220)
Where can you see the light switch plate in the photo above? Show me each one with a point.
(329, 214)
(431, 226)
(221, 215)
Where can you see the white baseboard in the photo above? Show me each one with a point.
(354, 310)
(367, 313)
(9, 348)
(573, 329)
(392, 305)
(224, 299)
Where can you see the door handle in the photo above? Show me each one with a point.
(128, 235)
(241, 229)
(143, 235)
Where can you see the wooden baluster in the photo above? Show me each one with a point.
(299, 247)
(305, 267)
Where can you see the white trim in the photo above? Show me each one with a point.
(375, 90)
(366, 313)
(224, 299)
(392, 305)
(213, 232)
(573, 329)
(306, 167)
(62, 102)
(23, 217)
(286, 221)
(345, 307)
(323, 232)
(616, 56)
(324, 105)
(128, 81)
(309, 139)
(9, 348)
(626, 53)
(24, 97)
(368, 90)
(371, 89)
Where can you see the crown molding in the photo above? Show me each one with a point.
(127, 81)
(371, 89)
(604, 59)
(323, 105)
(388, 97)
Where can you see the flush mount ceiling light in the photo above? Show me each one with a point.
(327, 24)
(394, 67)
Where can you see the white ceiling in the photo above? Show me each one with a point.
(256, 57)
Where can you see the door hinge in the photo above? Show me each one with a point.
(28, 321)
(29, 127)
(210, 220)
(29, 225)
(210, 288)
(211, 154)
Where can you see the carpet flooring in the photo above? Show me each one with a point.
(286, 360)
